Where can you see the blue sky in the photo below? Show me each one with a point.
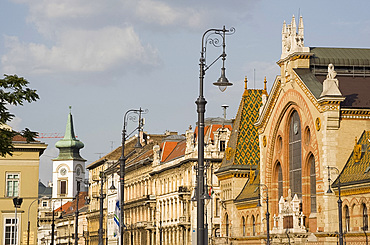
(106, 57)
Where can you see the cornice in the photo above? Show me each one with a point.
(246, 204)
(294, 56)
(346, 113)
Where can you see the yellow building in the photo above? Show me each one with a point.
(286, 151)
(19, 175)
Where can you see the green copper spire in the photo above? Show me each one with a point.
(69, 147)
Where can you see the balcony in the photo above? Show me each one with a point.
(142, 224)
(184, 221)
(183, 189)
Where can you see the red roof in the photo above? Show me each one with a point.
(19, 138)
(177, 151)
(70, 207)
(167, 147)
(209, 130)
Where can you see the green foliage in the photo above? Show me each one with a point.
(6, 146)
(29, 135)
(13, 91)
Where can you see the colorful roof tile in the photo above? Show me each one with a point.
(243, 147)
(357, 168)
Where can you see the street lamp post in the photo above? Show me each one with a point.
(101, 199)
(123, 165)
(76, 213)
(52, 225)
(339, 204)
(222, 82)
(28, 220)
(267, 213)
(17, 204)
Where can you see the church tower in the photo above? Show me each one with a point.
(69, 166)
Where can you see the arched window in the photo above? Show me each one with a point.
(347, 218)
(365, 219)
(243, 226)
(254, 225)
(227, 225)
(280, 181)
(295, 163)
(311, 162)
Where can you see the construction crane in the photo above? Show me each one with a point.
(50, 136)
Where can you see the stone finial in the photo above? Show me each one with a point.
(300, 27)
(245, 87)
(293, 24)
(284, 31)
(265, 87)
(264, 96)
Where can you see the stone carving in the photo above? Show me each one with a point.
(229, 153)
(331, 73)
(330, 86)
(290, 217)
(357, 151)
(292, 41)
(156, 154)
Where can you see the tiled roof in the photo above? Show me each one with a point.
(19, 138)
(70, 207)
(176, 152)
(129, 147)
(250, 191)
(357, 172)
(243, 146)
(340, 56)
(44, 191)
(167, 147)
(210, 129)
(352, 66)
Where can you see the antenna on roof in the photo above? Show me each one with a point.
(254, 78)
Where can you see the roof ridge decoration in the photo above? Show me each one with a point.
(265, 87)
(69, 147)
(245, 86)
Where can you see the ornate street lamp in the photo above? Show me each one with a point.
(209, 37)
(339, 203)
(123, 162)
(267, 212)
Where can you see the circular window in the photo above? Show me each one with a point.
(78, 171)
